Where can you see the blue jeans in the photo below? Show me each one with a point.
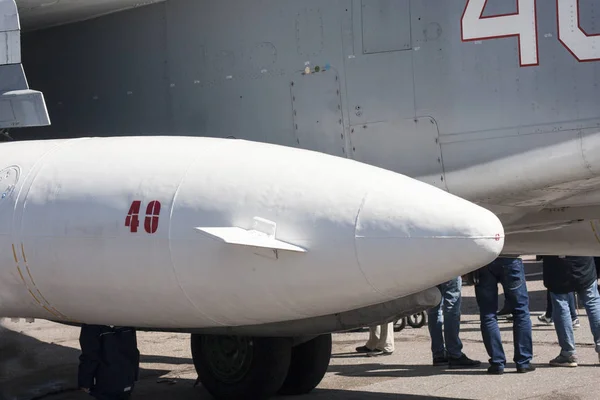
(562, 318)
(509, 272)
(446, 317)
(572, 307)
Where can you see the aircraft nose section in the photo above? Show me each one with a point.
(412, 236)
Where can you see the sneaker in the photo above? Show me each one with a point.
(576, 323)
(495, 369)
(545, 320)
(525, 369)
(440, 361)
(377, 353)
(564, 361)
(462, 362)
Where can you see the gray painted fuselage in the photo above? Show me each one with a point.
(391, 83)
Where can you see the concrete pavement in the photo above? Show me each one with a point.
(39, 361)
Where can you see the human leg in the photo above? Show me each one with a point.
(506, 308)
(374, 333)
(591, 301)
(385, 344)
(572, 307)
(564, 331)
(435, 325)
(386, 341)
(547, 317)
(514, 284)
(451, 302)
(486, 293)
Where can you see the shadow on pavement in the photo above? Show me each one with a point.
(32, 369)
(165, 360)
(400, 370)
(357, 395)
(508, 327)
(183, 391)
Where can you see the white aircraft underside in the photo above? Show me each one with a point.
(38, 14)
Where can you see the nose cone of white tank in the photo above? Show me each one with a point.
(411, 236)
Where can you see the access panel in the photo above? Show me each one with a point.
(385, 25)
(317, 112)
(407, 146)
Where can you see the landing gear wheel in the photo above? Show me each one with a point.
(241, 368)
(309, 364)
(417, 320)
(400, 324)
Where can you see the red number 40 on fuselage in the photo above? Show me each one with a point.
(132, 220)
(523, 24)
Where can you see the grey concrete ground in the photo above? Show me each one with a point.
(39, 361)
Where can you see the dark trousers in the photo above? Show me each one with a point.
(510, 273)
(118, 396)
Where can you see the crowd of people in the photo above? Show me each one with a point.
(565, 278)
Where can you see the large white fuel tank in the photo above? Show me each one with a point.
(188, 232)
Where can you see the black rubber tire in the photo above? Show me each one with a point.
(310, 361)
(417, 320)
(400, 324)
(266, 368)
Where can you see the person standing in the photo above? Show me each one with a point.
(109, 361)
(443, 322)
(563, 275)
(381, 341)
(510, 273)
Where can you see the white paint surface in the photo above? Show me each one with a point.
(584, 47)
(522, 25)
(370, 235)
